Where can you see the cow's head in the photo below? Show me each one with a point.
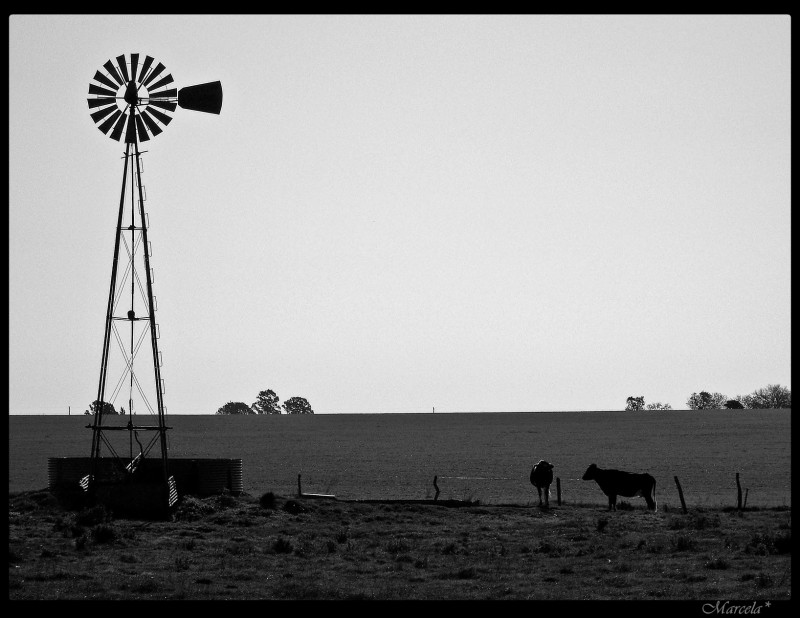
(590, 472)
(543, 465)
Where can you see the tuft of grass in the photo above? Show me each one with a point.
(764, 544)
(764, 580)
(683, 542)
(282, 546)
(192, 509)
(103, 533)
(717, 564)
(294, 507)
(396, 546)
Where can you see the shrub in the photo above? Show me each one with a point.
(294, 507)
(192, 509)
(267, 501)
(765, 544)
(282, 546)
(764, 580)
(467, 573)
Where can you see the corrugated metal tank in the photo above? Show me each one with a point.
(198, 477)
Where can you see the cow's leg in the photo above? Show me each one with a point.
(539, 489)
(612, 502)
(547, 495)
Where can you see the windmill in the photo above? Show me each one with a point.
(132, 101)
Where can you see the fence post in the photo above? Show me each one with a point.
(746, 491)
(436, 497)
(299, 487)
(558, 490)
(738, 493)
(680, 495)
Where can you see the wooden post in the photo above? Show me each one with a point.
(436, 497)
(680, 495)
(558, 490)
(299, 488)
(738, 493)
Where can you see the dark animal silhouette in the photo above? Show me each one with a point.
(615, 483)
(541, 477)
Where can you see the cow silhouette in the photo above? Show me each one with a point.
(541, 478)
(615, 483)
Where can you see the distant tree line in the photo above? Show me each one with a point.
(267, 402)
(637, 403)
(107, 408)
(772, 396)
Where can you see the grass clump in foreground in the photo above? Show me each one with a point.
(271, 547)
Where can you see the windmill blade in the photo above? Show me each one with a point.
(113, 72)
(143, 136)
(123, 67)
(95, 89)
(171, 93)
(105, 81)
(101, 101)
(145, 67)
(168, 105)
(161, 82)
(99, 115)
(152, 125)
(134, 62)
(202, 97)
(156, 72)
(161, 117)
(106, 126)
(117, 132)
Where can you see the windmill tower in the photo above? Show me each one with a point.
(131, 101)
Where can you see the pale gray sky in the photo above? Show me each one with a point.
(391, 213)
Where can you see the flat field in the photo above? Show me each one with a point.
(476, 456)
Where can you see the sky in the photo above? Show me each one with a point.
(396, 213)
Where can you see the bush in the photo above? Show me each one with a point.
(267, 501)
(192, 509)
(294, 507)
(282, 546)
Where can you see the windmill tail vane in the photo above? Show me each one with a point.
(135, 100)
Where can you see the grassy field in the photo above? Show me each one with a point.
(483, 456)
(281, 547)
